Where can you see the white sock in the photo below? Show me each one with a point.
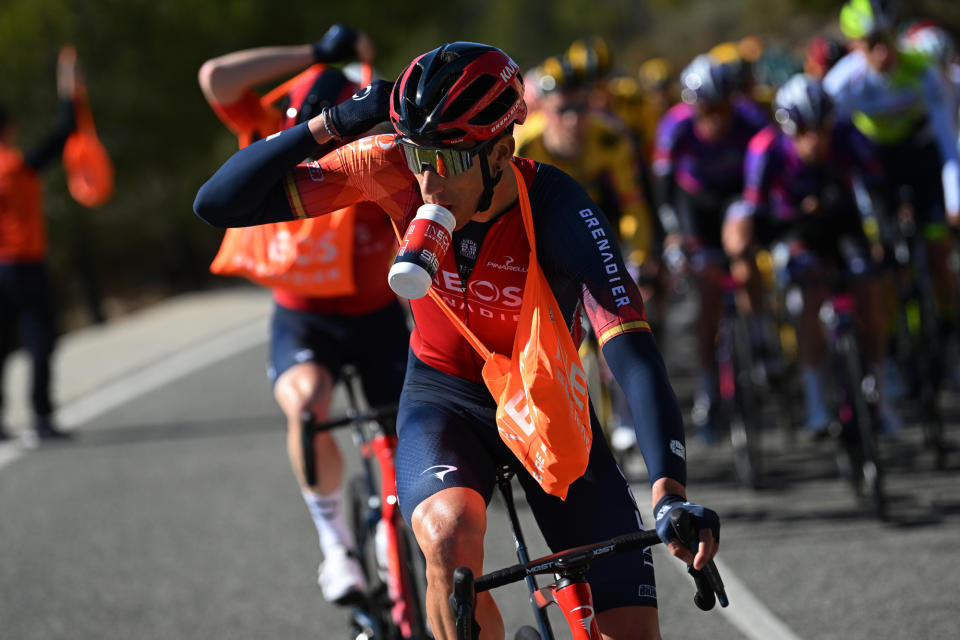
(327, 513)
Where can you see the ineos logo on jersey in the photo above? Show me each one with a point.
(363, 93)
(481, 290)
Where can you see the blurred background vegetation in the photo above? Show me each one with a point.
(140, 59)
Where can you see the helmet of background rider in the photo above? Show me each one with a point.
(801, 104)
(705, 81)
(821, 54)
(458, 92)
(929, 40)
(861, 19)
(589, 59)
(655, 74)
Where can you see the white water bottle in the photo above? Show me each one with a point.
(423, 247)
(380, 548)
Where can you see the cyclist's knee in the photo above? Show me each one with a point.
(449, 527)
(302, 387)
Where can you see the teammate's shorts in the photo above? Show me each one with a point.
(375, 343)
(449, 438)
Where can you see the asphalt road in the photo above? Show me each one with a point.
(174, 515)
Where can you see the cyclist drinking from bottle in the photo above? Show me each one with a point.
(454, 108)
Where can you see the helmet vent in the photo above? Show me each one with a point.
(496, 109)
(470, 96)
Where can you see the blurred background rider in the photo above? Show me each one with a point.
(311, 337)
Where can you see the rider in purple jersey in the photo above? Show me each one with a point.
(808, 183)
(698, 164)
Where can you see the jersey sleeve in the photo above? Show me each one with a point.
(756, 166)
(370, 169)
(577, 240)
(668, 135)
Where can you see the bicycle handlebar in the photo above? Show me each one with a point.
(710, 588)
(309, 428)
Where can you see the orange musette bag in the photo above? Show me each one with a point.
(85, 160)
(311, 256)
(543, 413)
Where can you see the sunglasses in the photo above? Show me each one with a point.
(445, 161)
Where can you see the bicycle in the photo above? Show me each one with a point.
(741, 384)
(392, 608)
(917, 332)
(570, 591)
(855, 399)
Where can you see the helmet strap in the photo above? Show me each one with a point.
(489, 182)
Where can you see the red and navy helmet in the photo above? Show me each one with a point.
(459, 92)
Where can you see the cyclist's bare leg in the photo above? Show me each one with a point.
(636, 623)
(737, 241)
(710, 284)
(872, 316)
(944, 281)
(449, 527)
(812, 344)
(309, 386)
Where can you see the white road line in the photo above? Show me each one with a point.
(750, 616)
(140, 382)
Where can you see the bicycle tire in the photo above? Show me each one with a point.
(526, 632)
(869, 469)
(377, 601)
(744, 422)
(414, 577)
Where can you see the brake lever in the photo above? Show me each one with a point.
(710, 589)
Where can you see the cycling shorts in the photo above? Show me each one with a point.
(701, 222)
(448, 438)
(913, 172)
(375, 343)
(833, 239)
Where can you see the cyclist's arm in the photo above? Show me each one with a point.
(663, 166)
(48, 149)
(249, 189)
(579, 243)
(945, 131)
(225, 79)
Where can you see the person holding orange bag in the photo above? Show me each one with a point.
(314, 334)
(25, 296)
(453, 109)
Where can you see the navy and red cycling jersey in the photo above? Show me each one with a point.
(576, 247)
(374, 241)
(699, 166)
(776, 180)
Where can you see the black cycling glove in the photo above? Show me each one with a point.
(338, 43)
(359, 113)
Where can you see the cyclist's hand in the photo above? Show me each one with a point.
(705, 521)
(810, 205)
(338, 43)
(364, 109)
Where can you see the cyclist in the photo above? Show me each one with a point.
(821, 54)
(899, 102)
(800, 180)
(454, 107)
(312, 337)
(24, 283)
(698, 165)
